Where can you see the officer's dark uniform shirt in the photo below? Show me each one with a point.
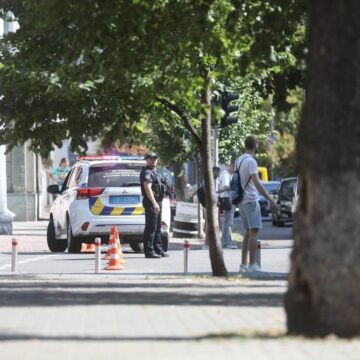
(149, 174)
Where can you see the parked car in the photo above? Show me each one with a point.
(97, 194)
(272, 188)
(285, 198)
(296, 197)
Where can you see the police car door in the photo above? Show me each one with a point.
(67, 196)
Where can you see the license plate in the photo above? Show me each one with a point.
(124, 199)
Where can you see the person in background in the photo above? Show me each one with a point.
(59, 173)
(249, 207)
(228, 215)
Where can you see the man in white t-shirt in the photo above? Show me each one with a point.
(228, 215)
(250, 207)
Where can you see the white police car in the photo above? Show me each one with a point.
(98, 193)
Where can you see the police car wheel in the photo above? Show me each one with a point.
(74, 245)
(136, 247)
(165, 242)
(54, 244)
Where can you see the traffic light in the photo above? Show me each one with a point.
(226, 98)
(215, 102)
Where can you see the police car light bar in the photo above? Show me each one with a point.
(132, 157)
(109, 157)
(98, 157)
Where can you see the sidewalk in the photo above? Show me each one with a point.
(99, 317)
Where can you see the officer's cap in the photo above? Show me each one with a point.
(150, 155)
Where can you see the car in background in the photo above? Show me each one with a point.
(98, 193)
(285, 197)
(272, 188)
(172, 205)
(296, 197)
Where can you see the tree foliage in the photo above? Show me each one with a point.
(81, 64)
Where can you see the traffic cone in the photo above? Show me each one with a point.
(117, 238)
(112, 235)
(115, 263)
(90, 248)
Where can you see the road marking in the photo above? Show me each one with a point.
(27, 260)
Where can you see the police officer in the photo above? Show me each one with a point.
(153, 192)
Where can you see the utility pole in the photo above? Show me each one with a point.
(272, 129)
(6, 216)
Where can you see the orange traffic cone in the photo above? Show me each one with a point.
(117, 238)
(115, 263)
(111, 238)
(90, 248)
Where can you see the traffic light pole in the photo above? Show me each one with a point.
(199, 207)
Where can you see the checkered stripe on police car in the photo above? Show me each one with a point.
(98, 208)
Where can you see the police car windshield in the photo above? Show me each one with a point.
(114, 175)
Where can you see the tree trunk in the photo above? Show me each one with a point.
(212, 231)
(180, 184)
(324, 292)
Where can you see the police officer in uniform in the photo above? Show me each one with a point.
(152, 190)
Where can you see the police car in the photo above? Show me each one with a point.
(98, 193)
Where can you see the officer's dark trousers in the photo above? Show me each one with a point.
(152, 232)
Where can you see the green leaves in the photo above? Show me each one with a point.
(100, 66)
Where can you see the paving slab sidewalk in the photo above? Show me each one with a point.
(151, 317)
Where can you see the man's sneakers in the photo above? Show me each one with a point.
(253, 268)
(229, 246)
(245, 269)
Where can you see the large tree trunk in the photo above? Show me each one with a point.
(324, 285)
(212, 230)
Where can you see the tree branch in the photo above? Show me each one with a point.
(185, 118)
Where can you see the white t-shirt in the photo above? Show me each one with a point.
(224, 180)
(248, 167)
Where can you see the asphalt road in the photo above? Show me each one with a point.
(34, 257)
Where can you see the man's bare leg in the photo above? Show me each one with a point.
(245, 248)
(253, 236)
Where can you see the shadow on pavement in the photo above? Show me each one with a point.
(59, 294)
(142, 285)
(220, 336)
